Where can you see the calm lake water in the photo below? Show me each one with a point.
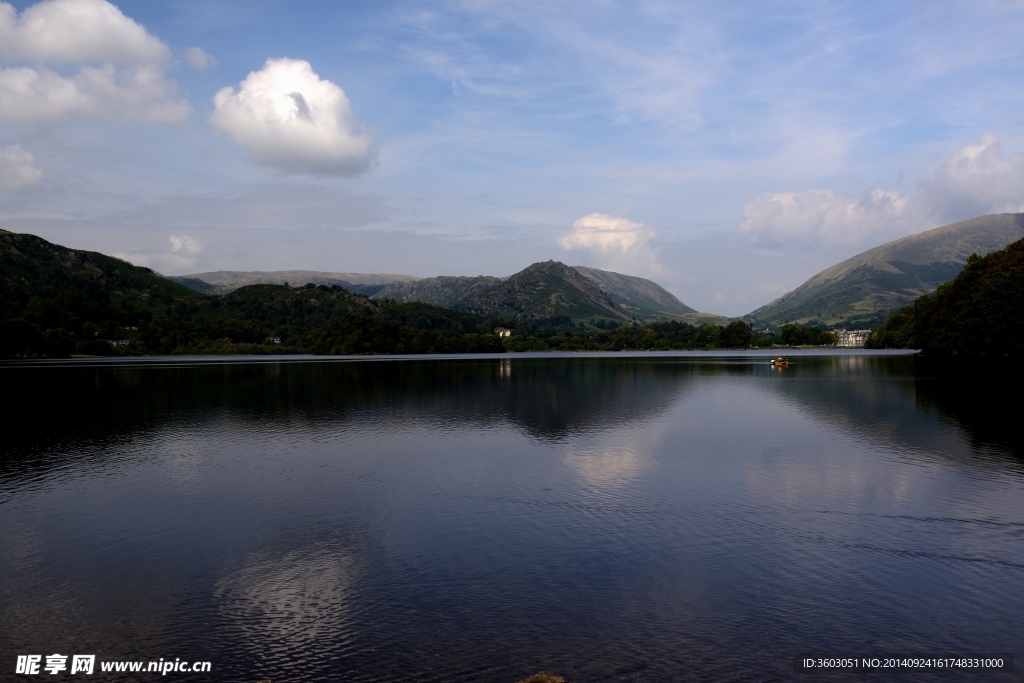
(611, 518)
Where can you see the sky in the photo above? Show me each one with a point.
(728, 151)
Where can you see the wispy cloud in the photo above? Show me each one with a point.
(17, 168)
(198, 58)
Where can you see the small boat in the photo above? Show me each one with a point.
(780, 362)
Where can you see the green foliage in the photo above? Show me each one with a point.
(736, 335)
(980, 313)
(804, 335)
(707, 336)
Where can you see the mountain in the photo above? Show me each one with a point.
(227, 281)
(545, 290)
(863, 290)
(443, 291)
(50, 295)
(980, 313)
(642, 298)
(636, 297)
(87, 282)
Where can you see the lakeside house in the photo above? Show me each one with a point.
(851, 338)
(502, 331)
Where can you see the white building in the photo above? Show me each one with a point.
(851, 338)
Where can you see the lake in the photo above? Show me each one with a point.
(617, 517)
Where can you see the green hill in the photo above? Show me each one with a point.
(634, 297)
(545, 290)
(52, 297)
(980, 313)
(863, 290)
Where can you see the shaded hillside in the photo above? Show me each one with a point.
(227, 281)
(545, 290)
(863, 290)
(444, 290)
(55, 301)
(640, 297)
(52, 296)
(980, 313)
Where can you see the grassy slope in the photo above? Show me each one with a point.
(640, 297)
(875, 283)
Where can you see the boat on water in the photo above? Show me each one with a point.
(780, 362)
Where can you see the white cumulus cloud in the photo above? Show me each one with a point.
(39, 95)
(17, 169)
(605, 233)
(185, 246)
(199, 58)
(119, 66)
(68, 31)
(286, 116)
(975, 181)
(616, 242)
(827, 217)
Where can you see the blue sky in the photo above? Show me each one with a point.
(726, 150)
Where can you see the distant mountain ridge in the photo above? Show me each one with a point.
(227, 281)
(863, 290)
(577, 291)
(444, 290)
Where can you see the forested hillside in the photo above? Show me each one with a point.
(980, 313)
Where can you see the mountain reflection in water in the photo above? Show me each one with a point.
(648, 517)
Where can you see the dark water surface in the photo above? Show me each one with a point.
(610, 518)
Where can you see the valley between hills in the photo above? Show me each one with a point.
(58, 301)
(860, 292)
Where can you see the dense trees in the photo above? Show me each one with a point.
(980, 313)
(322, 320)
